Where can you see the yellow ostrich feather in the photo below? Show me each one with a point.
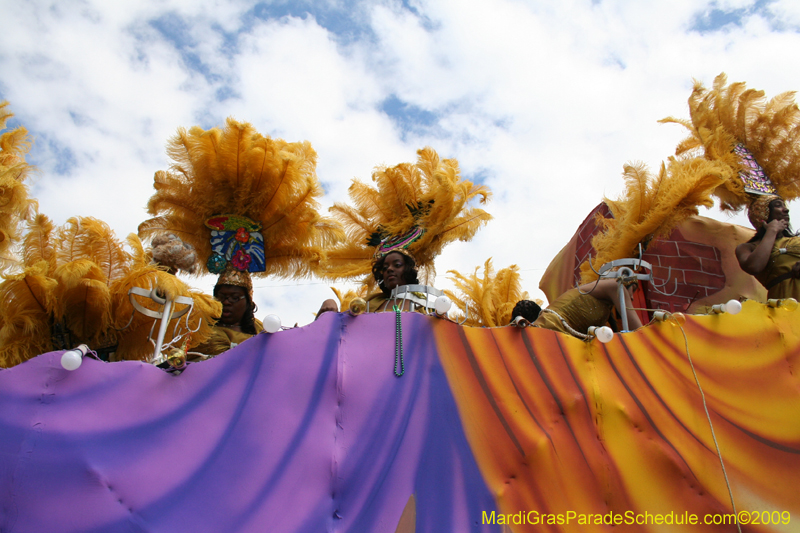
(236, 170)
(429, 194)
(28, 301)
(652, 206)
(83, 300)
(346, 298)
(14, 202)
(207, 309)
(730, 114)
(37, 244)
(92, 239)
(107, 251)
(488, 300)
(139, 256)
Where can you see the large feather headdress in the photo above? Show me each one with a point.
(15, 206)
(488, 300)
(755, 137)
(652, 206)
(419, 208)
(255, 196)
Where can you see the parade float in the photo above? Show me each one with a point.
(403, 422)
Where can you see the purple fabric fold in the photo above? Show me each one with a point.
(304, 430)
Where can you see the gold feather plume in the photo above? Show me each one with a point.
(652, 206)
(488, 300)
(80, 259)
(728, 115)
(429, 194)
(236, 170)
(37, 244)
(29, 298)
(15, 205)
(89, 259)
(345, 298)
(84, 300)
(28, 302)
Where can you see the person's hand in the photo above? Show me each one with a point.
(328, 305)
(796, 270)
(777, 225)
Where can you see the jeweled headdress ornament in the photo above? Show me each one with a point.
(416, 209)
(245, 201)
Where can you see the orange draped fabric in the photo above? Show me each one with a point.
(562, 426)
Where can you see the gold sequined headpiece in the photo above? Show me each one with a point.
(758, 211)
(237, 278)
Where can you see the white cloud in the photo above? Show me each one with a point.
(786, 11)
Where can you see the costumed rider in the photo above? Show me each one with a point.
(589, 305)
(237, 323)
(398, 227)
(739, 128)
(773, 254)
(247, 204)
(394, 267)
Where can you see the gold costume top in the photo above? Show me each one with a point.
(579, 310)
(780, 265)
(223, 339)
(376, 300)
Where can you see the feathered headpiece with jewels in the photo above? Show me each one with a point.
(652, 206)
(244, 201)
(416, 209)
(15, 206)
(489, 300)
(757, 139)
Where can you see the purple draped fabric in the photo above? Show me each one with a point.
(304, 430)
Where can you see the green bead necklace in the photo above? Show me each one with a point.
(398, 343)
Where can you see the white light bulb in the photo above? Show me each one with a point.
(733, 307)
(272, 323)
(442, 305)
(71, 359)
(604, 334)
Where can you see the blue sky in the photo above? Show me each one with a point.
(542, 101)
